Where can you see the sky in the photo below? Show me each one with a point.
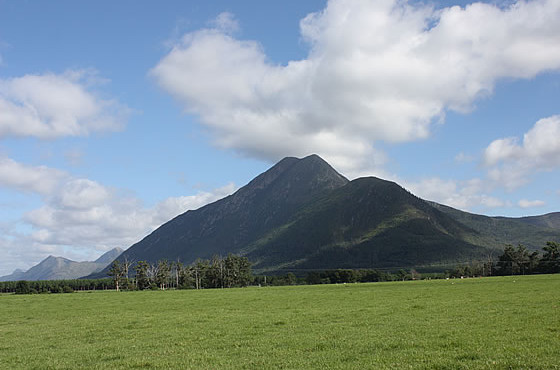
(117, 116)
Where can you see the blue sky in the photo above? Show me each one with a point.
(117, 116)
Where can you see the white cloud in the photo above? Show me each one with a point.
(463, 158)
(464, 195)
(174, 206)
(50, 106)
(376, 71)
(84, 213)
(524, 203)
(226, 23)
(80, 216)
(510, 162)
(39, 179)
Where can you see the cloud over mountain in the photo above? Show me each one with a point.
(376, 71)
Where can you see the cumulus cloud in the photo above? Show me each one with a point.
(81, 216)
(464, 195)
(84, 213)
(174, 206)
(56, 105)
(524, 203)
(376, 71)
(510, 162)
(38, 179)
(226, 23)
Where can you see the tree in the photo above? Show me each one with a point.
(126, 264)
(199, 271)
(215, 273)
(507, 261)
(22, 287)
(186, 279)
(163, 274)
(533, 264)
(488, 265)
(245, 273)
(177, 269)
(515, 261)
(415, 275)
(142, 280)
(291, 278)
(550, 261)
(237, 271)
(152, 274)
(116, 272)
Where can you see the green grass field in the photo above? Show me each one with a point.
(486, 323)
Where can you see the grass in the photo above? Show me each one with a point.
(489, 323)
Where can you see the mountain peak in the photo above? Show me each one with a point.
(302, 214)
(109, 256)
(231, 223)
(295, 175)
(313, 158)
(56, 268)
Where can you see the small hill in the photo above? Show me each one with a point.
(59, 268)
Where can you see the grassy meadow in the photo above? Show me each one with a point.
(484, 323)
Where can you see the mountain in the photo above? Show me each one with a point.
(365, 224)
(59, 268)
(302, 215)
(232, 223)
(533, 232)
(108, 257)
(18, 274)
(550, 220)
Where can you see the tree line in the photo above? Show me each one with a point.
(515, 261)
(218, 272)
(235, 271)
(54, 286)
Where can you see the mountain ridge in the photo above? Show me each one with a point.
(302, 214)
(60, 268)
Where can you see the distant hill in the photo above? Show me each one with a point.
(303, 215)
(59, 268)
(533, 232)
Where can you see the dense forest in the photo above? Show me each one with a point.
(235, 271)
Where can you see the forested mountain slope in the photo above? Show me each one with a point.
(301, 214)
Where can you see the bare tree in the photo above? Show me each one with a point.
(126, 264)
(152, 273)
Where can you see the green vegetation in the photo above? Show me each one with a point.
(483, 323)
(235, 271)
(54, 286)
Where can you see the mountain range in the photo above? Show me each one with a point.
(60, 268)
(303, 215)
